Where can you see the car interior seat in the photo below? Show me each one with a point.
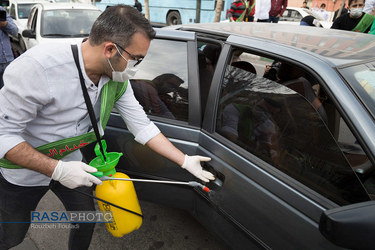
(294, 78)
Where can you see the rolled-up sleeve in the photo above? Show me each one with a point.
(20, 100)
(135, 118)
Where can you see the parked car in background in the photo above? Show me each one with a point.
(19, 10)
(289, 126)
(54, 22)
(293, 15)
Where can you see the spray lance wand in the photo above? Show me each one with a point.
(188, 183)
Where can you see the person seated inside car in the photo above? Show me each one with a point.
(296, 79)
(157, 95)
(252, 126)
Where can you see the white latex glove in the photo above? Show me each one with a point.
(73, 174)
(193, 165)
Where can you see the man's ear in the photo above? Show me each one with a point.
(109, 49)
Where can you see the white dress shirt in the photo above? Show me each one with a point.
(323, 14)
(262, 8)
(42, 102)
(369, 5)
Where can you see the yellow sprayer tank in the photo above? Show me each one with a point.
(121, 193)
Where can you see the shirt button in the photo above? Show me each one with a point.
(92, 85)
(6, 117)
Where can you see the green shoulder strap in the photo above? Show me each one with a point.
(245, 126)
(364, 24)
(111, 92)
(246, 12)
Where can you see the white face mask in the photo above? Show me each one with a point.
(356, 12)
(129, 71)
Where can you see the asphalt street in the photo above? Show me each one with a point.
(162, 228)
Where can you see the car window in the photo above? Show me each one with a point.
(68, 22)
(208, 55)
(161, 83)
(12, 11)
(362, 79)
(291, 16)
(30, 21)
(272, 109)
(24, 10)
(34, 20)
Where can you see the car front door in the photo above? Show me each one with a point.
(274, 149)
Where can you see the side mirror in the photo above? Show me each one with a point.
(351, 226)
(28, 34)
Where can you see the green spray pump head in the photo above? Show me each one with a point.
(105, 168)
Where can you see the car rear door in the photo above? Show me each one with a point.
(166, 85)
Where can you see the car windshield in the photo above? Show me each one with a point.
(24, 10)
(362, 79)
(68, 23)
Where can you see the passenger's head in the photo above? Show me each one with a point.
(289, 72)
(167, 83)
(212, 52)
(304, 4)
(356, 8)
(322, 6)
(118, 24)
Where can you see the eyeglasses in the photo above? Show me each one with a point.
(139, 59)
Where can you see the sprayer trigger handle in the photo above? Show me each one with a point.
(98, 174)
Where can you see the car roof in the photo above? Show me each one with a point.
(27, 1)
(56, 6)
(337, 46)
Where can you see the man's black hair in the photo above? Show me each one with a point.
(351, 1)
(118, 24)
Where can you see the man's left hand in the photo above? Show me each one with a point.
(193, 165)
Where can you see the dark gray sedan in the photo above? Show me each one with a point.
(287, 115)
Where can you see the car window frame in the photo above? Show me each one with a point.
(194, 115)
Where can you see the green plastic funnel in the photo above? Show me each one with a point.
(104, 168)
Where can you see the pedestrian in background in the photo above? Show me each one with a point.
(322, 12)
(137, 5)
(7, 26)
(369, 6)
(304, 5)
(277, 9)
(356, 20)
(262, 9)
(236, 10)
(343, 11)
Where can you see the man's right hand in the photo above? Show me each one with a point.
(74, 174)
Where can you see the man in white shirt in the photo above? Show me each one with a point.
(369, 6)
(42, 102)
(322, 12)
(262, 9)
